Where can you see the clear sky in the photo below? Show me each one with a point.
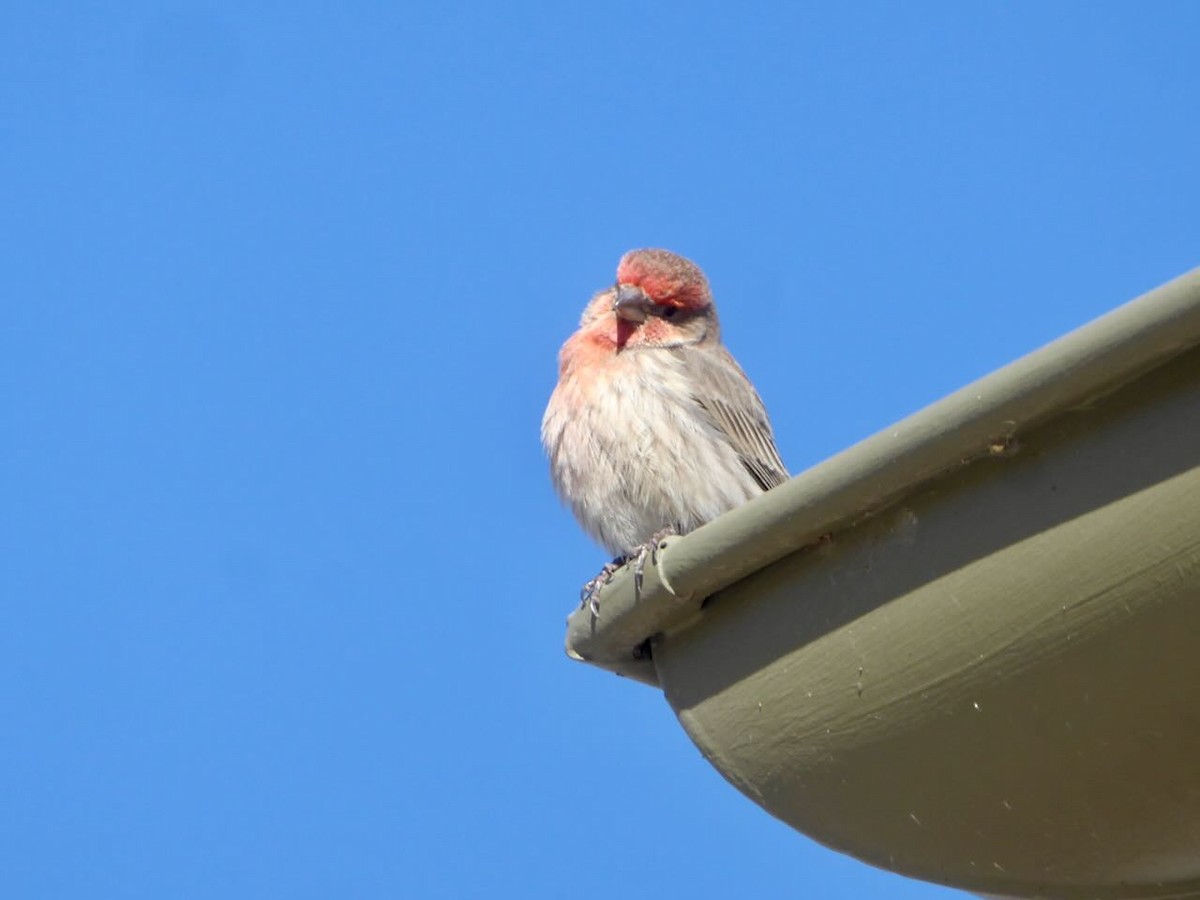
(283, 580)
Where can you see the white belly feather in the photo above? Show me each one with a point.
(636, 452)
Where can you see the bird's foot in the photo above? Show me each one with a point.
(587, 594)
(649, 549)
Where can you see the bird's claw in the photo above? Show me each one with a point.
(639, 567)
(650, 549)
(588, 593)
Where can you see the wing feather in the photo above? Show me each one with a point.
(722, 389)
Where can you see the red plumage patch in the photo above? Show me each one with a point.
(666, 278)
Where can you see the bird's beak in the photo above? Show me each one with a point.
(631, 303)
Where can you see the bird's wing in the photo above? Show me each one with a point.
(726, 394)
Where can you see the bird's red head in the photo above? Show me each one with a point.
(660, 300)
(666, 278)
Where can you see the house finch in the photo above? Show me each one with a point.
(653, 428)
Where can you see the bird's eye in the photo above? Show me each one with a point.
(668, 312)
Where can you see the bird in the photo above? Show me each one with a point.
(653, 429)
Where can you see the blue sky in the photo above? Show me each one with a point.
(284, 580)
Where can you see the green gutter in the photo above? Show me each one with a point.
(968, 648)
(971, 424)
